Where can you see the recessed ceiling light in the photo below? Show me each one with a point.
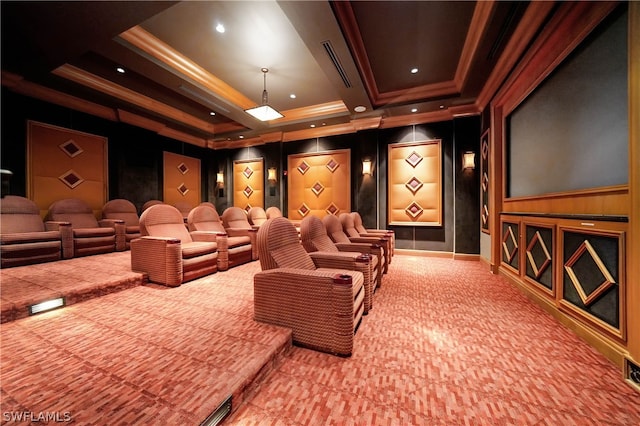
(292, 96)
(241, 137)
(414, 109)
(414, 70)
(220, 28)
(212, 113)
(441, 106)
(120, 70)
(360, 108)
(313, 125)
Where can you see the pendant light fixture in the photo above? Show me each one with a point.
(264, 112)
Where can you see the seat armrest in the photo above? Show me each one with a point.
(361, 247)
(340, 260)
(66, 235)
(320, 306)
(159, 257)
(120, 228)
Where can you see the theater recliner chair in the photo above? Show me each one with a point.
(348, 227)
(239, 250)
(167, 252)
(90, 236)
(257, 216)
(322, 307)
(25, 239)
(336, 233)
(235, 222)
(325, 253)
(124, 210)
(387, 233)
(273, 212)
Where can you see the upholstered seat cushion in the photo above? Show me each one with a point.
(197, 248)
(32, 237)
(43, 250)
(239, 241)
(93, 232)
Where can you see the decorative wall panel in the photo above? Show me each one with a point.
(182, 179)
(64, 163)
(511, 244)
(592, 282)
(319, 184)
(248, 183)
(539, 255)
(415, 183)
(485, 212)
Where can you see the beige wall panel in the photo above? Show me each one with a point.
(415, 183)
(64, 163)
(324, 184)
(181, 172)
(248, 174)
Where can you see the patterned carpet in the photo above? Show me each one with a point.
(446, 343)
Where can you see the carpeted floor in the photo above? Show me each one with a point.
(446, 343)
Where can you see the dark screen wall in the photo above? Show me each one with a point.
(571, 133)
(135, 167)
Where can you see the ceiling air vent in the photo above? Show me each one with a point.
(336, 62)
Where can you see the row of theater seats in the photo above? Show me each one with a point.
(318, 281)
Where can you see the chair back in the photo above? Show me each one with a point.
(272, 212)
(347, 225)
(235, 217)
(120, 208)
(183, 207)
(357, 223)
(164, 220)
(257, 216)
(151, 203)
(204, 218)
(75, 211)
(279, 246)
(334, 229)
(314, 235)
(19, 215)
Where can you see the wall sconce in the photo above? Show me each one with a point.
(272, 174)
(220, 182)
(366, 167)
(272, 177)
(469, 160)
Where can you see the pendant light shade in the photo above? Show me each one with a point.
(264, 112)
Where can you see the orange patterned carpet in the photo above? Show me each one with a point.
(446, 343)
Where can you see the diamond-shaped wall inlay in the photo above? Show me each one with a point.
(317, 188)
(304, 210)
(303, 167)
(414, 159)
(509, 244)
(182, 189)
(183, 168)
(71, 179)
(333, 209)
(607, 282)
(485, 182)
(247, 207)
(537, 240)
(71, 148)
(332, 165)
(413, 185)
(247, 172)
(485, 214)
(414, 210)
(485, 149)
(247, 191)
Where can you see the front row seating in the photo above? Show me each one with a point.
(318, 244)
(323, 307)
(235, 222)
(25, 239)
(124, 210)
(167, 252)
